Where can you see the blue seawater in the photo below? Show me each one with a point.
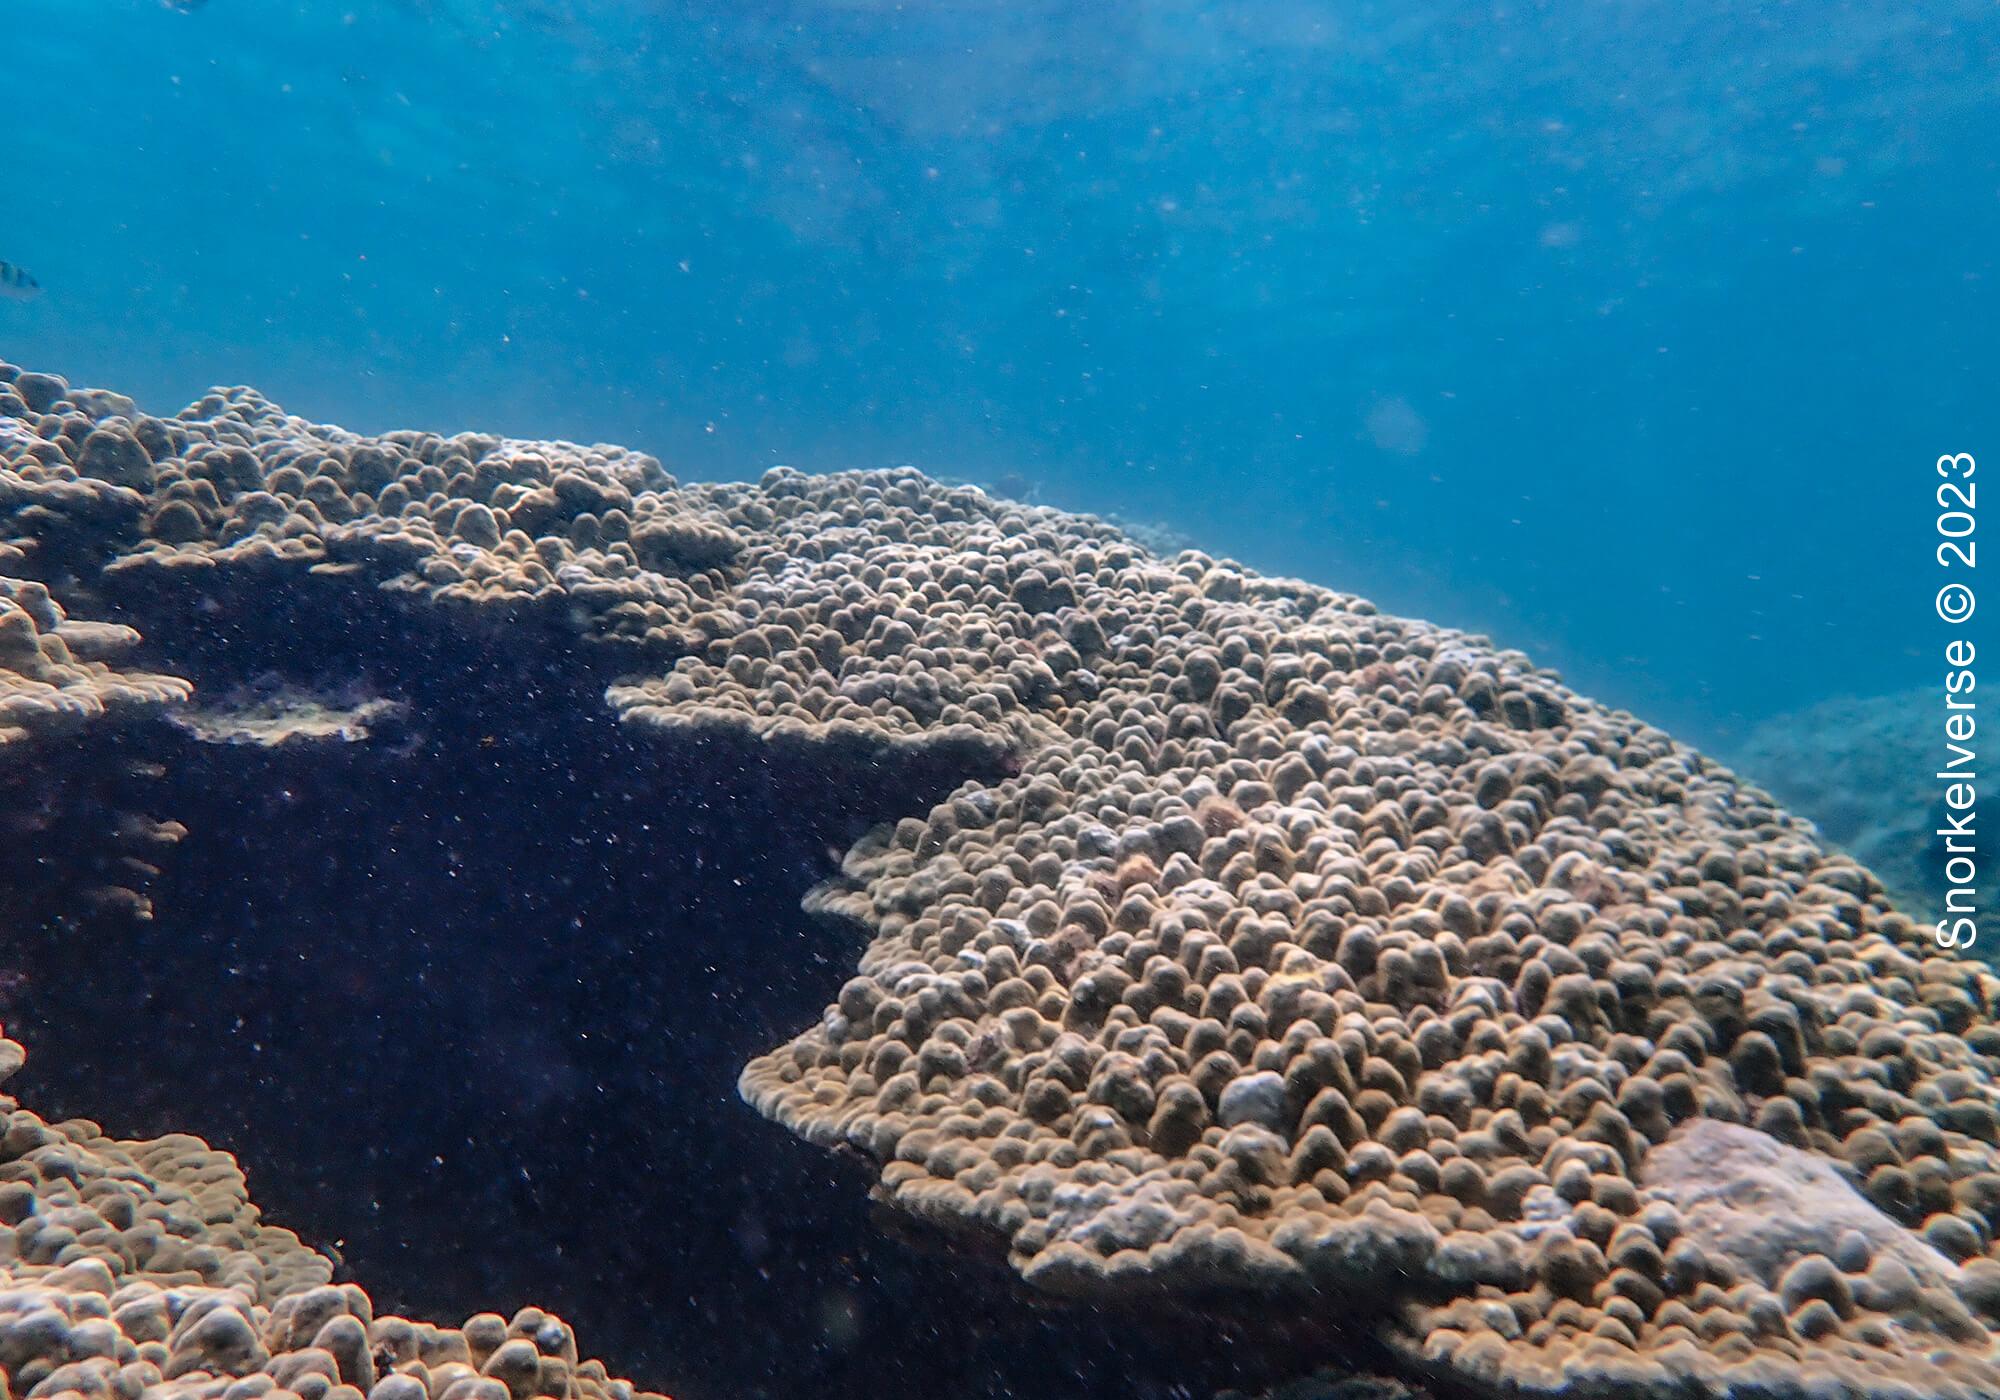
(1625, 332)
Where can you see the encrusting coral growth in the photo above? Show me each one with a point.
(133, 1269)
(52, 666)
(1283, 955)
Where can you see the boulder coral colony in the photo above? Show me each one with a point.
(1283, 955)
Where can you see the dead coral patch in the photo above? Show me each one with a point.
(282, 714)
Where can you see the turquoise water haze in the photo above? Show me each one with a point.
(1627, 332)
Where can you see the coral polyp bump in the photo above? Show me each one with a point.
(1275, 954)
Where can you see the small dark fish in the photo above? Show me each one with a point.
(18, 283)
(1013, 486)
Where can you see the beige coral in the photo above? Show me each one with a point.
(132, 1269)
(51, 671)
(1280, 954)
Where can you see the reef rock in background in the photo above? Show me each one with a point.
(1282, 957)
(1864, 769)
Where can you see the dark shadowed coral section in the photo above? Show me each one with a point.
(1272, 956)
(423, 890)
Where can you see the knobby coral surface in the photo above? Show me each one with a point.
(1284, 954)
(53, 667)
(132, 1269)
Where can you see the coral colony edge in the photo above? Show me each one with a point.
(1265, 952)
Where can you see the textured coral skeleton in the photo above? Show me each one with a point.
(141, 1268)
(1282, 954)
